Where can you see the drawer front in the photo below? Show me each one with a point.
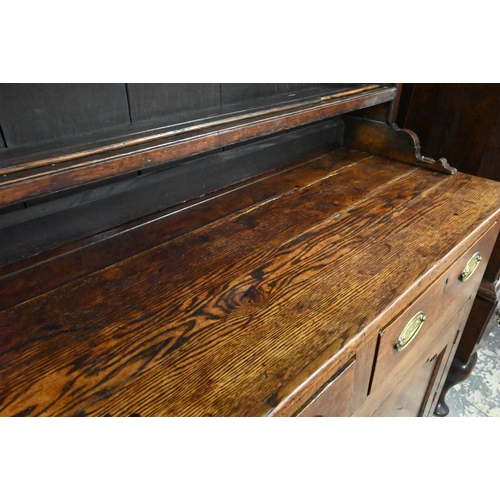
(415, 395)
(403, 341)
(333, 400)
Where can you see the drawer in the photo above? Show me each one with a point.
(416, 394)
(406, 339)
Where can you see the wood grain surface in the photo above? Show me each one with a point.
(25, 279)
(230, 318)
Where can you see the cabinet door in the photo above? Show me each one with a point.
(416, 395)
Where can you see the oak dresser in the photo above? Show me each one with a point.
(229, 250)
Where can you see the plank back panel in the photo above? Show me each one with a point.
(35, 112)
(160, 100)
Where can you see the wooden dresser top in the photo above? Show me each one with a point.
(248, 293)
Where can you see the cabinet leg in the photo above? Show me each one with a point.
(458, 373)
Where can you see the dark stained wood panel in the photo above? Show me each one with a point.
(235, 93)
(299, 87)
(31, 113)
(220, 320)
(404, 102)
(426, 109)
(476, 106)
(160, 100)
(489, 166)
(455, 121)
(481, 313)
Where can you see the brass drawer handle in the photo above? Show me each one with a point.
(410, 331)
(470, 267)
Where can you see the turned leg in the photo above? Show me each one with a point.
(459, 371)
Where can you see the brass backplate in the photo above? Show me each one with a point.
(470, 267)
(410, 331)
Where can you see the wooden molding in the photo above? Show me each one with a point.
(489, 291)
(390, 141)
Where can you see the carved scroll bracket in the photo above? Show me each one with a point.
(389, 140)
